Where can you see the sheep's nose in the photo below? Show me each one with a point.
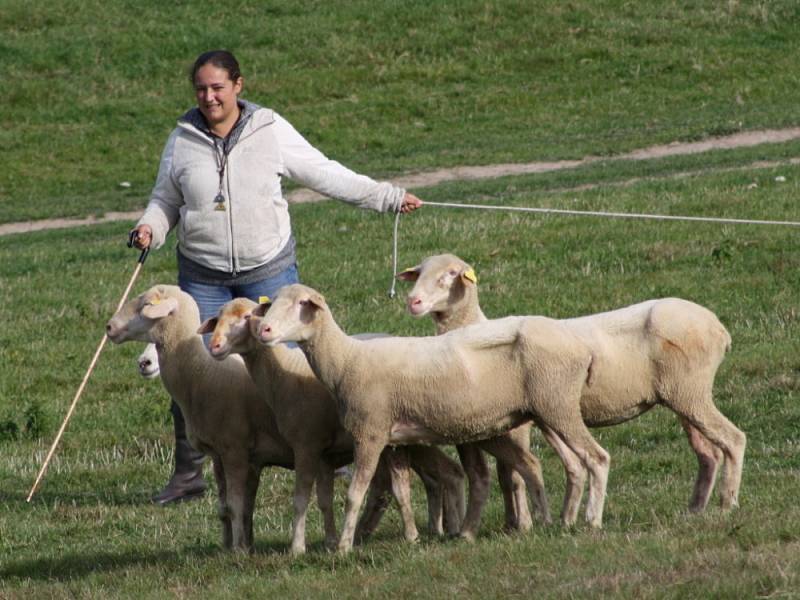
(108, 327)
(414, 301)
(266, 330)
(144, 364)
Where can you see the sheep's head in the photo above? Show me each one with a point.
(230, 329)
(292, 316)
(441, 283)
(148, 362)
(137, 317)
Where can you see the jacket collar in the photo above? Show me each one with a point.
(194, 121)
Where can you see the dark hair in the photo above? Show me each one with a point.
(222, 59)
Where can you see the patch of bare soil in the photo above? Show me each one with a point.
(429, 178)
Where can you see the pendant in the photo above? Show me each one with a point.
(219, 201)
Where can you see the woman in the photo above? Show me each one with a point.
(219, 182)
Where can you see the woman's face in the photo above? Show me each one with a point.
(216, 94)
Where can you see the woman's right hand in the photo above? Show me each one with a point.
(142, 236)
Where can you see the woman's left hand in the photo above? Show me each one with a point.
(410, 203)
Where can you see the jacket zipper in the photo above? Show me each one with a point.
(232, 245)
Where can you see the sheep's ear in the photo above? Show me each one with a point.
(469, 275)
(208, 326)
(263, 305)
(410, 274)
(158, 308)
(317, 300)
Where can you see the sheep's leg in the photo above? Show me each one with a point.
(401, 488)
(477, 471)
(454, 501)
(597, 462)
(325, 477)
(251, 490)
(378, 499)
(435, 495)
(222, 503)
(515, 502)
(444, 484)
(576, 476)
(238, 479)
(732, 441)
(511, 453)
(367, 453)
(306, 466)
(709, 458)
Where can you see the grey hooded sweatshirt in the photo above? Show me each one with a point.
(251, 227)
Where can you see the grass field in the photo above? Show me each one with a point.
(388, 89)
(385, 87)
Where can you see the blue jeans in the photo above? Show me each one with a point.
(210, 298)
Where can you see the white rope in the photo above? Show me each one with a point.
(394, 254)
(586, 213)
(594, 213)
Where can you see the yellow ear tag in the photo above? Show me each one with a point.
(155, 301)
(471, 276)
(263, 299)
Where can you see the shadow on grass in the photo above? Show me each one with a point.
(74, 566)
(107, 497)
(77, 566)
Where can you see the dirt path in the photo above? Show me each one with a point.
(429, 178)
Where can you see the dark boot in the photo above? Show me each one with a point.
(187, 481)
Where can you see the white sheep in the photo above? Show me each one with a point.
(658, 352)
(466, 385)
(225, 416)
(441, 477)
(450, 309)
(147, 363)
(307, 419)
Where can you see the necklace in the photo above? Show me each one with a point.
(221, 158)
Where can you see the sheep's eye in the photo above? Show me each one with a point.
(303, 302)
(247, 317)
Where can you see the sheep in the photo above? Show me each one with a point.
(681, 346)
(465, 385)
(308, 421)
(225, 417)
(436, 278)
(147, 363)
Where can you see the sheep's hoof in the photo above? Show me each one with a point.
(298, 550)
(345, 547)
(595, 524)
(412, 537)
(330, 543)
(467, 536)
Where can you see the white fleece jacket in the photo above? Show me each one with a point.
(255, 225)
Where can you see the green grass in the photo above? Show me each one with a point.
(90, 532)
(385, 87)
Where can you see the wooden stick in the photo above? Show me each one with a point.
(83, 384)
